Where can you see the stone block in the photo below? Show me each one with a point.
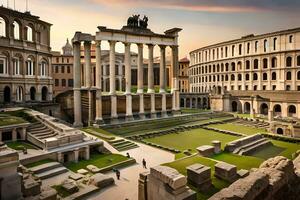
(226, 171)
(70, 186)
(101, 180)
(206, 150)
(242, 173)
(31, 187)
(82, 171)
(217, 145)
(49, 194)
(76, 177)
(93, 169)
(200, 176)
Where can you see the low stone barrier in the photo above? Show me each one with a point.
(226, 171)
(200, 176)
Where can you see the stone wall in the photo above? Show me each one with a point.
(276, 179)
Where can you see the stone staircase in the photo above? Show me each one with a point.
(40, 131)
(122, 144)
(48, 170)
(247, 145)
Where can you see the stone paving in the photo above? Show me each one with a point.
(127, 186)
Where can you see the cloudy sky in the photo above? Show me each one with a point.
(203, 22)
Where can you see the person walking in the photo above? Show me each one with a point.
(118, 173)
(144, 164)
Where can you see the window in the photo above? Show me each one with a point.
(274, 62)
(265, 63)
(248, 47)
(247, 77)
(63, 82)
(247, 64)
(264, 87)
(29, 67)
(29, 34)
(256, 46)
(255, 64)
(56, 82)
(274, 43)
(274, 76)
(274, 87)
(239, 77)
(43, 67)
(291, 39)
(265, 45)
(265, 76)
(70, 82)
(56, 69)
(232, 77)
(289, 61)
(3, 66)
(255, 87)
(233, 66)
(62, 69)
(288, 88)
(19, 94)
(298, 75)
(240, 49)
(16, 30)
(298, 60)
(2, 27)
(57, 60)
(288, 76)
(226, 52)
(255, 77)
(16, 63)
(233, 49)
(68, 69)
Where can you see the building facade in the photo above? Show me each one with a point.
(25, 58)
(183, 77)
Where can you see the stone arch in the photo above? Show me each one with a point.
(182, 102)
(234, 106)
(7, 94)
(205, 102)
(247, 108)
(44, 93)
(32, 94)
(194, 103)
(274, 76)
(3, 26)
(277, 110)
(187, 105)
(292, 111)
(17, 29)
(280, 131)
(289, 61)
(264, 109)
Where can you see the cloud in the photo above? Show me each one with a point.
(223, 6)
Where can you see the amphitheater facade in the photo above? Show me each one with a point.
(256, 74)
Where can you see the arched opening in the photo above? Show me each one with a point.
(29, 33)
(247, 108)
(265, 76)
(288, 76)
(7, 95)
(279, 131)
(2, 27)
(204, 103)
(181, 102)
(16, 30)
(187, 105)
(274, 62)
(32, 93)
(234, 106)
(194, 103)
(255, 77)
(289, 61)
(44, 93)
(292, 111)
(277, 110)
(264, 109)
(298, 75)
(274, 76)
(199, 103)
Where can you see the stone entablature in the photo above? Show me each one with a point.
(127, 37)
(266, 62)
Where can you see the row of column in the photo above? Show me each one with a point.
(112, 77)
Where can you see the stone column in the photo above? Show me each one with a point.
(162, 80)
(14, 135)
(99, 118)
(271, 116)
(129, 116)
(77, 85)
(151, 90)
(23, 135)
(112, 80)
(76, 155)
(87, 62)
(175, 85)
(0, 136)
(140, 90)
(60, 157)
(87, 153)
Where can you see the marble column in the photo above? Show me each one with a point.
(76, 155)
(14, 135)
(140, 90)
(87, 62)
(129, 116)
(175, 84)
(112, 80)
(77, 85)
(151, 90)
(99, 118)
(162, 80)
(87, 153)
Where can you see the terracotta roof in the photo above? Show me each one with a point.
(185, 59)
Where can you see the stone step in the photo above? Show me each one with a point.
(256, 147)
(132, 146)
(237, 150)
(120, 143)
(116, 141)
(45, 167)
(52, 172)
(124, 144)
(42, 133)
(47, 136)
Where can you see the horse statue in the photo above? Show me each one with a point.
(144, 22)
(133, 21)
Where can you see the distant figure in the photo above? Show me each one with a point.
(144, 164)
(128, 156)
(118, 174)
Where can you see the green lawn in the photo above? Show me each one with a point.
(191, 139)
(193, 110)
(247, 130)
(61, 191)
(180, 166)
(39, 163)
(102, 134)
(99, 160)
(22, 114)
(6, 120)
(20, 145)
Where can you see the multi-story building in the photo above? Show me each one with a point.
(258, 74)
(184, 86)
(25, 58)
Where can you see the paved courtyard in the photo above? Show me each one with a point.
(127, 187)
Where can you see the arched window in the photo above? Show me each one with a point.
(265, 63)
(274, 76)
(298, 60)
(19, 92)
(291, 38)
(43, 67)
(255, 77)
(289, 76)
(247, 77)
(265, 76)
(3, 65)
(240, 49)
(226, 78)
(29, 67)
(29, 34)
(265, 45)
(247, 64)
(298, 75)
(2, 27)
(255, 64)
(256, 46)
(63, 82)
(274, 62)
(232, 77)
(289, 61)
(16, 64)
(274, 43)
(227, 67)
(248, 47)
(233, 66)
(240, 77)
(16, 30)
(233, 49)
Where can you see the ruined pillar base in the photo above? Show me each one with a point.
(129, 118)
(153, 115)
(142, 116)
(77, 125)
